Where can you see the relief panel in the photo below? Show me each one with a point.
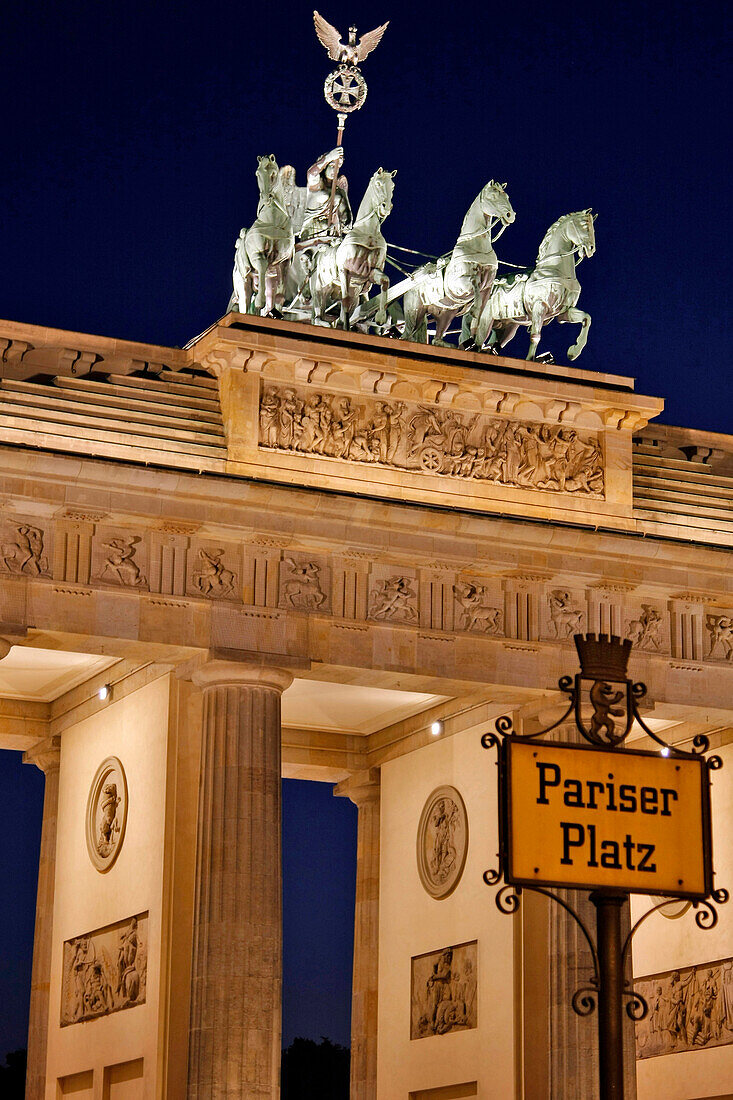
(305, 583)
(25, 548)
(424, 439)
(444, 987)
(689, 1009)
(105, 971)
(720, 636)
(646, 628)
(442, 842)
(565, 614)
(106, 815)
(479, 607)
(393, 598)
(119, 558)
(214, 571)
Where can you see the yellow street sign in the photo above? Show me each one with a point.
(590, 818)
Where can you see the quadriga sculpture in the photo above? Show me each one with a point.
(462, 285)
(263, 251)
(345, 271)
(548, 291)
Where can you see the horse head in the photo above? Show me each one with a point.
(580, 230)
(267, 173)
(380, 192)
(495, 203)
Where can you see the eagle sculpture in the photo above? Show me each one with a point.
(350, 53)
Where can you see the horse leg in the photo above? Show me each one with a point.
(442, 324)
(261, 297)
(383, 280)
(575, 316)
(344, 284)
(502, 334)
(539, 315)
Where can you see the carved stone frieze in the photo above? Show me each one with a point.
(117, 560)
(720, 628)
(645, 631)
(209, 573)
(689, 1009)
(419, 438)
(479, 612)
(443, 991)
(23, 549)
(304, 585)
(105, 971)
(394, 600)
(565, 615)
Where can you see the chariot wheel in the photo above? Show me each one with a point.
(431, 460)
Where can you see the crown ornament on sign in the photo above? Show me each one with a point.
(603, 656)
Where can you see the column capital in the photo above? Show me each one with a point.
(45, 754)
(217, 673)
(361, 787)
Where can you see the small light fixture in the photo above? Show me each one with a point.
(105, 691)
(436, 729)
(665, 751)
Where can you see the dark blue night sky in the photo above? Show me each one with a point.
(130, 136)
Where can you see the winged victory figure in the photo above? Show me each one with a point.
(350, 53)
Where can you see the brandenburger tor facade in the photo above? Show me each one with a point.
(305, 547)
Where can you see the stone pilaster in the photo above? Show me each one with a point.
(236, 979)
(363, 788)
(47, 756)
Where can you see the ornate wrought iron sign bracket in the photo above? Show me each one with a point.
(607, 819)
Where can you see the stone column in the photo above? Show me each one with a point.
(46, 755)
(363, 789)
(236, 975)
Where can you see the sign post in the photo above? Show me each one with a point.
(607, 819)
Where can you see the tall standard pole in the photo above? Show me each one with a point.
(610, 994)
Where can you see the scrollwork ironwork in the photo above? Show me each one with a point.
(706, 916)
(508, 899)
(492, 876)
(637, 1007)
(490, 741)
(584, 1001)
(714, 763)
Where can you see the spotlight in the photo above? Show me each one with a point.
(436, 729)
(665, 751)
(105, 691)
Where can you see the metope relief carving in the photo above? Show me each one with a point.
(394, 600)
(419, 438)
(645, 631)
(689, 1009)
(566, 618)
(105, 971)
(106, 814)
(442, 842)
(22, 550)
(720, 628)
(443, 996)
(118, 563)
(478, 612)
(302, 585)
(210, 576)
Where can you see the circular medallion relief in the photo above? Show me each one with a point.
(106, 813)
(442, 842)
